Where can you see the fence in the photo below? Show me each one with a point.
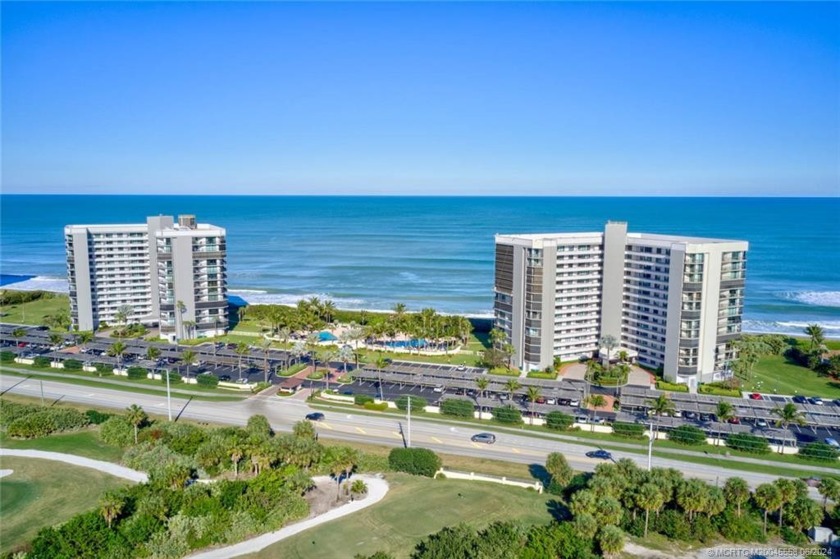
(472, 476)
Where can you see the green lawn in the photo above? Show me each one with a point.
(414, 508)
(34, 311)
(775, 374)
(42, 493)
(83, 443)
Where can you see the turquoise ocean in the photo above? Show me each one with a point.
(373, 252)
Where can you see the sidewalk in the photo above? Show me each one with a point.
(377, 488)
(106, 467)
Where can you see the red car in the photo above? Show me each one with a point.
(755, 396)
(22, 344)
(734, 420)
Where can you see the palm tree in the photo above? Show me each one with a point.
(829, 488)
(768, 498)
(326, 357)
(328, 308)
(181, 308)
(152, 353)
(242, 349)
(235, 456)
(610, 540)
(787, 415)
(189, 328)
(343, 460)
(265, 345)
(188, 358)
(532, 395)
(692, 496)
(609, 343)
(117, 350)
(298, 351)
(648, 497)
(737, 491)
(121, 317)
(512, 386)
(111, 505)
(482, 383)
(56, 339)
(817, 335)
(596, 401)
(787, 493)
(137, 417)
(399, 314)
(662, 405)
(345, 354)
(724, 411)
(84, 338)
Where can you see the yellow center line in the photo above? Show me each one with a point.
(476, 445)
(516, 450)
(396, 434)
(360, 430)
(437, 440)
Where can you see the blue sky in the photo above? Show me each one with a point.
(422, 98)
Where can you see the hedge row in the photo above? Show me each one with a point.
(381, 406)
(687, 435)
(559, 421)
(819, 451)
(417, 403)
(6, 356)
(457, 407)
(507, 414)
(748, 443)
(629, 430)
(416, 461)
(45, 422)
(205, 380)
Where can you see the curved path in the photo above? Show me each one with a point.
(107, 467)
(377, 488)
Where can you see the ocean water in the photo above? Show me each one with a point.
(373, 252)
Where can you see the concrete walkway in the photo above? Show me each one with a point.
(107, 467)
(377, 488)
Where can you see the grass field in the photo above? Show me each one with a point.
(414, 508)
(773, 374)
(42, 493)
(83, 443)
(34, 311)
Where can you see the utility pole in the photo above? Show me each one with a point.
(42, 393)
(408, 439)
(168, 396)
(650, 446)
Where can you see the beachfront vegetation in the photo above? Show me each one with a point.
(35, 307)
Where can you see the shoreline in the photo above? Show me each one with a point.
(31, 283)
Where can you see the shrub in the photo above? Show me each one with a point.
(673, 524)
(137, 373)
(6, 356)
(748, 443)
(687, 435)
(10, 411)
(819, 451)
(259, 387)
(117, 431)
(73, 365)
(208, 380)
(457, 407)
(417, 403)
(558, 420)
(507, 414)
(362, 399)
(174, 377)
(736, 528)
(96, 417)
(794, 537)
(629, 430)
(719, 390)
(41, 361)
(45, 422)
(415, 461)
(381, 406)
(671, 387)
(104, 369)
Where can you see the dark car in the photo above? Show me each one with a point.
(487, 438)
(600, 454)
(315, 416)
(800, 399)
(690, 415)
(705, 417)
(224, 378)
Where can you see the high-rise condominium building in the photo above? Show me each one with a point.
(160, 273)
(667, 301)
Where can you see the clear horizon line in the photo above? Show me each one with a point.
(380, 195)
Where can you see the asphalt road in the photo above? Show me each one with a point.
(390, 431)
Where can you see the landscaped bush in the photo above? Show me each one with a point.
(381, 406)
(458, 407)
(629, 430)
(260, 386)
(45, 422)
(737, 529)
(748, 443)
(687, 435)
(10, 411)
(507, 414)
(41, 361)
(104, 369)
(558, 420)
(718, 390)
(417, 403)
(97, 417)
(294, 369)
(174, 377)
(73, 365)
(819, 451)
(362, 399)
(137, 372)
(117, 431)
(671, 387)
(211, 381)
(416, 461)
(6, 356)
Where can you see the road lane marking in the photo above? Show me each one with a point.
(397, 434)
(476, 445)
(437, 440)
(326, 426)
(516, 450)
(360, 430)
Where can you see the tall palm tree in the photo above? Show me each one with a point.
(326, 357)
(18, 333)
(829, 488)
(298, 351)
(265, 346)
(235, 451)
(532, 395)
(482, 383)
(648, 497)
(724, 411)
(189, 328)
(596, 401)
(152, 353)
(787, 492)
(328, 309)
(662, 405)
(345, 354)
(817, 336)
(137, 417)
(188, 358)
(56, 339)
(121, 317)
(111, 505)
(609, 343)
(787, 415)
(117, 350)
(242, 349)
(84, 338)
(737, 491)
(512, 386)
(768, 498)
(180, 309)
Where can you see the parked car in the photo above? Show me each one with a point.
(564, 401)
(690, 415)
(761, 423)
(540, 400)
(551, 401)
(224, 378)
(581, 419)
(817, 401)
(836, 401)
(755, 396)
(574, 402)
(487, 438)
(438, 388)
(832, 442)
(677, 413)
(799, 399)
(315, 416)
(600, 454)
(734, 420)
(706, 417)
(460, 368)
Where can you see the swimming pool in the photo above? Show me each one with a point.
(326, 337)
(402, 344)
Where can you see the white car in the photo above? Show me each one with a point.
(551, 401)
